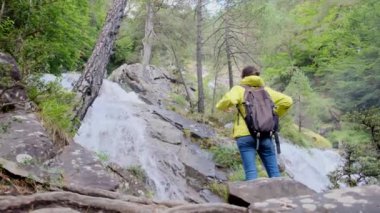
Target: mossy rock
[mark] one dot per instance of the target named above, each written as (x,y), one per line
(317,140)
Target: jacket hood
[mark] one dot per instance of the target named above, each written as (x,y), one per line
(253,81)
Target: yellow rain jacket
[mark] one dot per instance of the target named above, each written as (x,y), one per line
(235,97)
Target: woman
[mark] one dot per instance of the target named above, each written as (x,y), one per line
(245,142)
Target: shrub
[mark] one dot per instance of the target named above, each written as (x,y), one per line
(228,157)
(55,106)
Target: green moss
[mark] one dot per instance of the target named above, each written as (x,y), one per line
(317,140)
(138,172)
(305,138)
(103,157)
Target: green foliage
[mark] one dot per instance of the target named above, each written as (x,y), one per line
(55,105)
(219,189)
(228,157)
(179,100)
(305,138)
(361,143)
(138,172)
(290,131)
(128,44)
(103,157)
(48,36)
(237,174)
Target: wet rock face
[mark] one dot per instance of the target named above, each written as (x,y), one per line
(155,87)
(197,130)
(358,199)
(248,192)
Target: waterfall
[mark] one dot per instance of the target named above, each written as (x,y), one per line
(115,126)
(310,166)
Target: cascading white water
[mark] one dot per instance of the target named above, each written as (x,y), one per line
(310,166)
(112,126)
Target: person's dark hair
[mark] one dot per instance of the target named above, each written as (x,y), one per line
(250,70)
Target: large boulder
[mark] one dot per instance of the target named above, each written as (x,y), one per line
(92,173)
(358,199)
(248,192)
(154,85)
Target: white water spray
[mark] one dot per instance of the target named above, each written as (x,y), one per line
(113,126)
(310,166)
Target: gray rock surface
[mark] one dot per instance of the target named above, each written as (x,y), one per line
(78,166)
(155,87)
(248,192)
(197,130)
(358,199)
(27,151)
(25,142)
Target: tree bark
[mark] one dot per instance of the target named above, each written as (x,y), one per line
(182,79)
(214,91)
(227,43)
(149,33)
(299,114)
(91,80)
(201,97)
(2,9)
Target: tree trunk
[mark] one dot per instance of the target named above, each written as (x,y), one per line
(214,91)
(182,79)
(228,54)
(91,79)
(2,9)
(201,105)
(299,114)
(227,43)
(149,33)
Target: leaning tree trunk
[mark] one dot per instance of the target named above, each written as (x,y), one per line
(91,80)
(201,104)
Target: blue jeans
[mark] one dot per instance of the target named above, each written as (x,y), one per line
(266,151)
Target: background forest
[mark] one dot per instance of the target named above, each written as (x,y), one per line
(324,53)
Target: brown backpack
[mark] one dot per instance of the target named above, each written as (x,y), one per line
(259,107)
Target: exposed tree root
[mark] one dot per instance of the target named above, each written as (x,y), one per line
(76,198)
(126,198)
(70,199)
